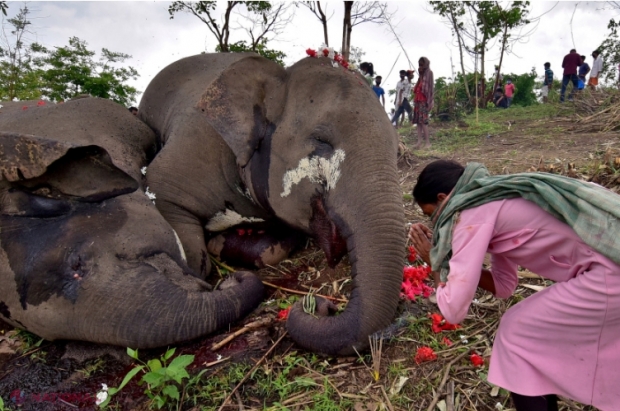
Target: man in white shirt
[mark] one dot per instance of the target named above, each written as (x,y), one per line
(403,92)
(597,68)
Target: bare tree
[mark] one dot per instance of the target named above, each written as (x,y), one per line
(358,12)
(269,21)
(316,9)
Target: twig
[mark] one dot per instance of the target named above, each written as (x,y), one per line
(67,403)
(247,375)
(450,396)
(444,380)
(255,324)
(389,403)
(288,290)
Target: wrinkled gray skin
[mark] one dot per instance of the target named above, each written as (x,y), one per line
(84,254)
(241,133)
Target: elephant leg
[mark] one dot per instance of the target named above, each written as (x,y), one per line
(255,245)
(191,236)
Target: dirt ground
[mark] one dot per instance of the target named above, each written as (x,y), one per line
(263,369)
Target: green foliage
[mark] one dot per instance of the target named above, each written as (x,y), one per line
(72,71)
(29,71)
(610,53)
(2,404)
(261,48)
(20,61)
(3,7)
(162,378)
(524,88)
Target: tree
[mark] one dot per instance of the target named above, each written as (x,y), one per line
(71,71)
(19,59)
(264,19)
(273,55)
(356,12)
(610,52)
(3,7)
(317,10)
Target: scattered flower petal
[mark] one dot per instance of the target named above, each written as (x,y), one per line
(439,324)
(425,354)
(446,341)
(283,314)
(476,360)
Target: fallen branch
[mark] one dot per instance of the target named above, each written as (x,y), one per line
(250,326)
(288,290)
(247,375)
(444,380)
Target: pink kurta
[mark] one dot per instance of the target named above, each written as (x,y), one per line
(563,340)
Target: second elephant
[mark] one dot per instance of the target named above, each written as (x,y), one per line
(308,148)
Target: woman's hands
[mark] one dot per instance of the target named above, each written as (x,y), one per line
(420,236)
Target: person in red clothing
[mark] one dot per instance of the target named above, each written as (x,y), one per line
(509,91)
(423,95)
(570,64)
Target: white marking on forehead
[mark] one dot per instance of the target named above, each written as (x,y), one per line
(176,236)
(229,218)
(317,169)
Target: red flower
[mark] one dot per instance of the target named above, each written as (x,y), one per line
(476,360)
(440,324)
(311,53)
(344,64)
(325,52)
(413,282)
(25,108)
(425,354)
(413,255)
(446,341)
(41,103)
(283,314)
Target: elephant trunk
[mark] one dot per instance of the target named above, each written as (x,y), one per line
(373,225)
(168,309)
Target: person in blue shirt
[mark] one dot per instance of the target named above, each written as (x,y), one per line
(584,69)
(379,90)
(547,83)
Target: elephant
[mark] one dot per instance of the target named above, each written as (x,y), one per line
(309,148)
(84,253)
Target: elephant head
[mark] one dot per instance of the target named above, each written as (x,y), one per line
(84,254)
(309,145)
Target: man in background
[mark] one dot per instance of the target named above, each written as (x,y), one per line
(547,82)
(379,90)
(509,91)
(597,68)
(403,92)
(570,63)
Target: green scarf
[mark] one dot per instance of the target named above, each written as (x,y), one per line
(591,210)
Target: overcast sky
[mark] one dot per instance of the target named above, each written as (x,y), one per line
(145,31)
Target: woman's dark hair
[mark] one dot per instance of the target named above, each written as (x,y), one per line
(437,177)
(368,68)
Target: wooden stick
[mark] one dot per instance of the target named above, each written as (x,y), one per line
(247,375)
(246,328)
(288,290)
(444,380)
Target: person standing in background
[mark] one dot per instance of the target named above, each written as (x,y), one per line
(570,63)
(423,95)
(509,91)
(547,83)
(597,68)
(403,91)
(379,90)
(584,69)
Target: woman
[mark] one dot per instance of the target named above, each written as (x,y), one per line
(368,71)
(423,95)
(564,340)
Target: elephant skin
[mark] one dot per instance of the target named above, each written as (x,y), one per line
(246,141)
(84,254)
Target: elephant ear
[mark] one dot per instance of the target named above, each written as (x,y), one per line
(244,103)
(60,168)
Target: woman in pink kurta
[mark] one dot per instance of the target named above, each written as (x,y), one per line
(562,340)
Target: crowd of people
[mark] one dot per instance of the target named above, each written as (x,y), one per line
(421,94)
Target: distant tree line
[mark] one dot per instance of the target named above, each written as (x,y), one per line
(29,70)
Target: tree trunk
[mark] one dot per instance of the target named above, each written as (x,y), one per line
(501,56)
(346,30)
(460,41)
(324,22)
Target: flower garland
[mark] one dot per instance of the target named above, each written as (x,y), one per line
(329,52)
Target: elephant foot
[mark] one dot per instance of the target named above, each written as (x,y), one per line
(255,245)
